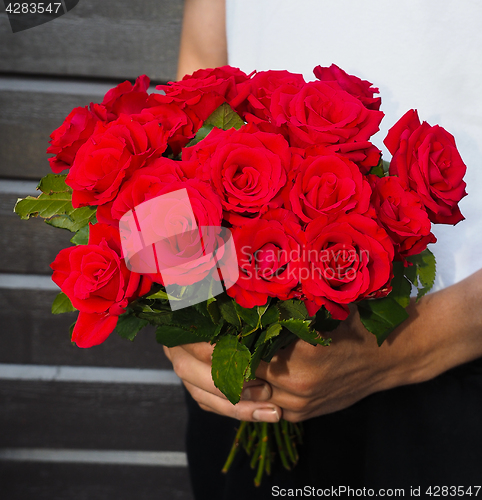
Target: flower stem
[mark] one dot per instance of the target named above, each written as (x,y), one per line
(235,447)
(281,448)
(251,440)
(262,454)
(256,454)
(288,442)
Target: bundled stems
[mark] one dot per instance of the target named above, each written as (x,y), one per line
(260,439)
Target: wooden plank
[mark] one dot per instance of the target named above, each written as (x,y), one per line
(92,416)
(31,334)
(26,122)
(116,39)
(27,246)
(44,481)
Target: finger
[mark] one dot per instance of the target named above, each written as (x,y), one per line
(190,369)
(167,353)
(198,373)
(249,411)
(256,390)
(203,351)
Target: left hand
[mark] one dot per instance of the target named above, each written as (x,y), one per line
(308,381)
(444,330)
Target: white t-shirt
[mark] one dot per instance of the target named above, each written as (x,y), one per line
(422,54)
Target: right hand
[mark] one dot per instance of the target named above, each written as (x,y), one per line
(192,364)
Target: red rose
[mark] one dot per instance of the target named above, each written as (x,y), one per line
(239,88)
(401,213)
(247,169)
(110,156)
(179,125)
(183,221)
(262,86)
(98,283)
(347,259)
(327,184)
(427,160)
(206,89)
(144,184)
(69,137)
(268,251)
(361,89)
(321,113)
(363,153)
(126,98)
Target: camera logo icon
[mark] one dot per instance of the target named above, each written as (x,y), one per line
(160,237)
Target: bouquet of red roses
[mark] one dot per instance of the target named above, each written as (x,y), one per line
(247,211)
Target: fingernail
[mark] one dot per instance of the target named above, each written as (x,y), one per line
(256,393)
(266,415)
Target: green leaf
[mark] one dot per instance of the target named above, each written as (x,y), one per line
(155,313)
(189,319)
(263,309)
(324,322)
(301,328)
(273,331)
(54,183)
(229,366)
(411,274)
(81,237)
(381,170)
(172,336)
(55,205)
(46,205)
(270,316)
(213,310)
(62,304)
(202,308)
(156,317)
(160,294)
(426,269)
(256,358)
(284,339)
(378,171)
(201,134)
(293,309)
(71,331)
(262,348)
(401,287)
(250,316)
(76,220)
(248,330)
(228,312)
(128,326)
(381,316)
(225,118)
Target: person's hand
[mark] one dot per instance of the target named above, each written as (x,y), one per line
(309,381)
(444,330)
(192,364)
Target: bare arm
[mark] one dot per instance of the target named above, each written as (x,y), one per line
(203,37)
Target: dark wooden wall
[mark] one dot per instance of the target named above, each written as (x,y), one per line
(58,402)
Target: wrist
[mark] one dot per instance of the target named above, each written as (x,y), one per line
(444,330)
